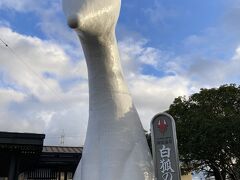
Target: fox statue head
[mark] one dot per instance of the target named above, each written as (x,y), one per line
(92,17)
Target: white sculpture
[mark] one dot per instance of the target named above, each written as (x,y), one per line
(115,146)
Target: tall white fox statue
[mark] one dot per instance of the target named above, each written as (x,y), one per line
(115,146)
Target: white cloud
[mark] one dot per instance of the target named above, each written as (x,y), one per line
(213,72)
(51,20)
(22,6)
(8,95)
(37,107)
(187,73)
(33,70)
(194,40)
(231,18)
(4,23)
(211,58)
(28,58)
(135,53)
(43,84)
(53,24)
(29,105)
(158,13)
(153,95)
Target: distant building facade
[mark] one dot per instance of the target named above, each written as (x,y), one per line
(23,157)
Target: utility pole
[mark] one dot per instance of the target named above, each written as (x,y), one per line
(62,138)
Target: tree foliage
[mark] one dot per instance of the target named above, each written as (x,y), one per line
(208,130)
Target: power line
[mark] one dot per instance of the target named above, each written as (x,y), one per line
(4,42)
(31,70)
(20,59)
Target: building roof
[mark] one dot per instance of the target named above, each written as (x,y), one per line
(66,158)
(30,153)
(61,149)
(21,138)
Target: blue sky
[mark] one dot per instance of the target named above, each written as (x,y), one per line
(168,48)
(168,23)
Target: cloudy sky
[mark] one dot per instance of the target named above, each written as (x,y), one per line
(168,48)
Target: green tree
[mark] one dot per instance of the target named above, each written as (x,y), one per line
(208,131)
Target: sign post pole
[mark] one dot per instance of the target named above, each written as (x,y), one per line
(164,147)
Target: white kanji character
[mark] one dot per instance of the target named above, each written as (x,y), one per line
(167,176)
(165,152)
(166,166)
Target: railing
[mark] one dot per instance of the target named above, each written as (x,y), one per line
(47,174)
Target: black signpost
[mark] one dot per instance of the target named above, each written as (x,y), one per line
(164,146)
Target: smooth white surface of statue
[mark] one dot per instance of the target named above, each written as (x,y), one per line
(115,146)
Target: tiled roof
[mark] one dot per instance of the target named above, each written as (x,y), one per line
(61,149)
